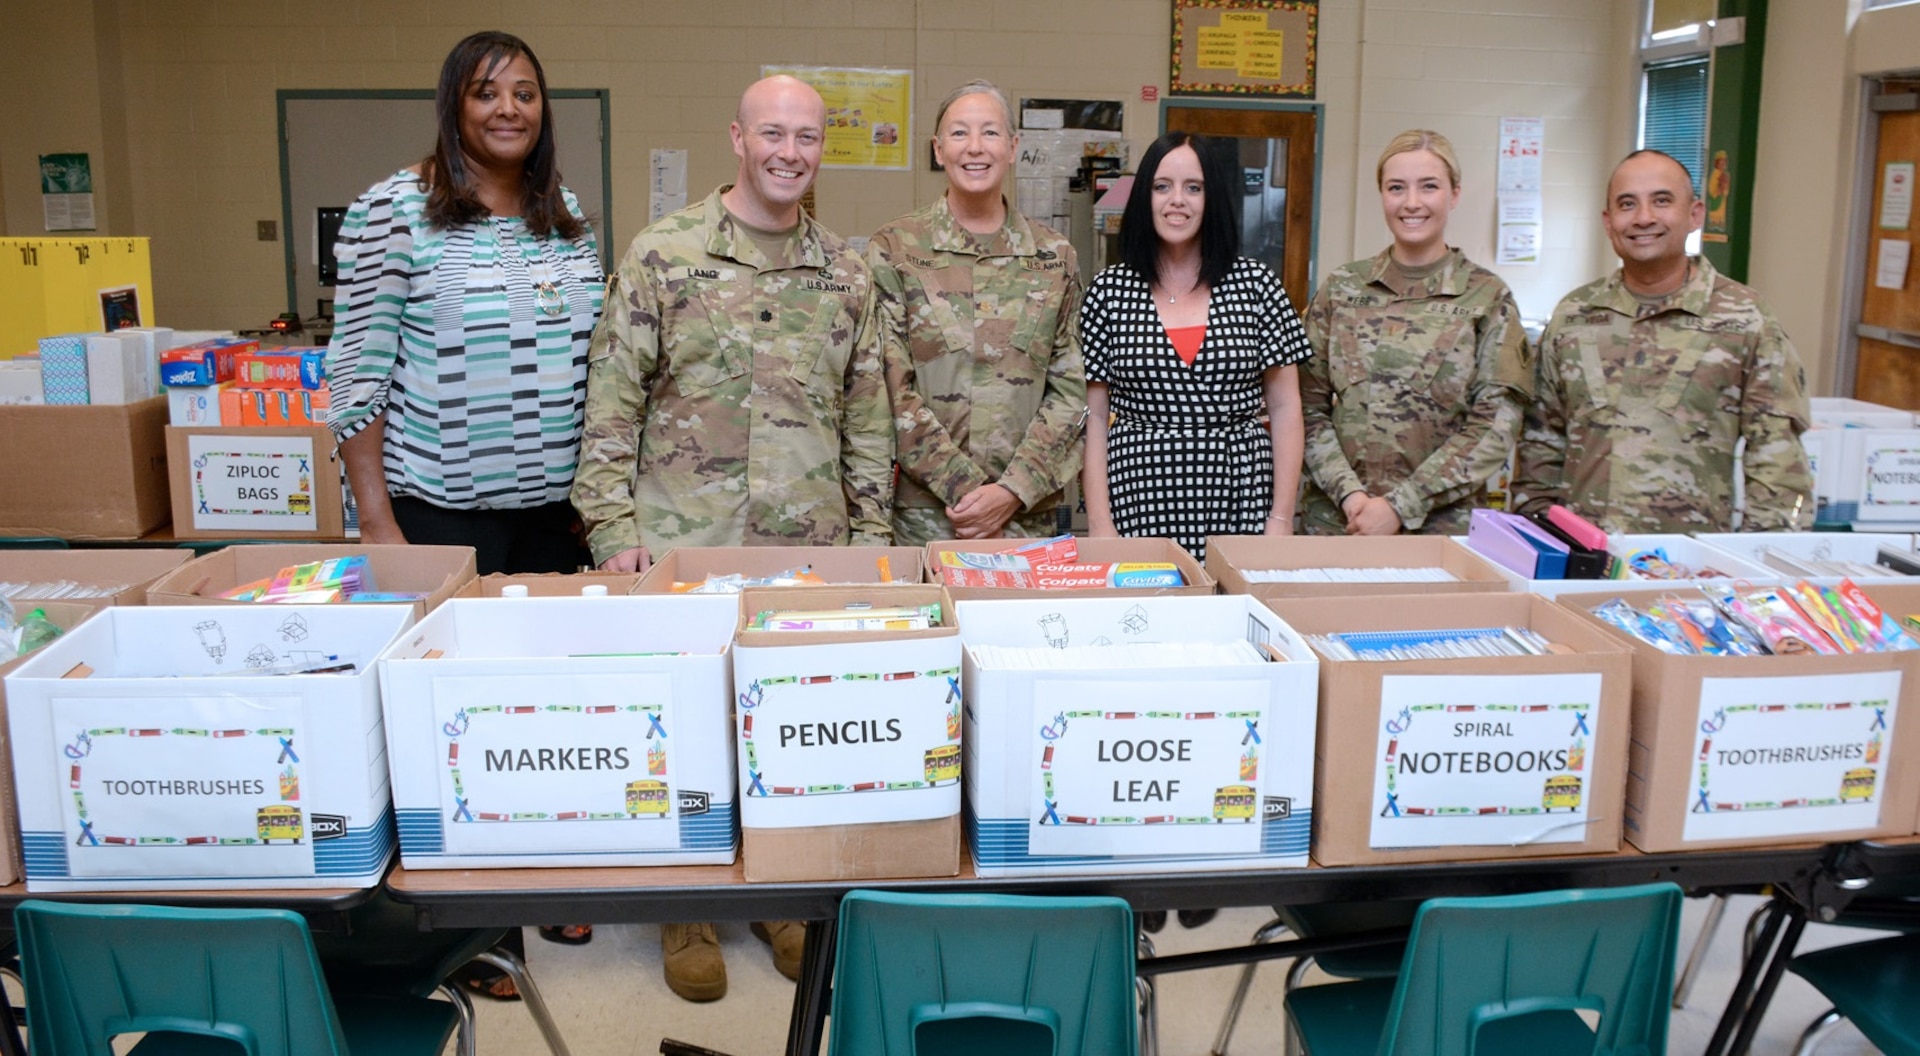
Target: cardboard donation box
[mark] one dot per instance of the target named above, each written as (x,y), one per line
(553,584)
(563,732)
(1688,556)
(841,565)
(1465,757)
(1825,557)
(1361,565)
(84,472)
(94,578)
(435,572)
(254,483)
(1079,763)
(1746,751)
(1092,560)
(848,740)
(66,616)
(173,748)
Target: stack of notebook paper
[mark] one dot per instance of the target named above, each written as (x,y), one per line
(1436,644)
(1349,575)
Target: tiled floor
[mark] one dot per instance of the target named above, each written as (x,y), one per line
(609,999)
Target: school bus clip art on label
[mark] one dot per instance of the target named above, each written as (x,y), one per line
(1857,784)
(280,822)
(943,764)
(1562,790)
(647,799)
(299,503)
(1234,803)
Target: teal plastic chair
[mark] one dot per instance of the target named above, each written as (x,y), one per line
(249,977)
(1586,972)
(1009,975)
(1872,985)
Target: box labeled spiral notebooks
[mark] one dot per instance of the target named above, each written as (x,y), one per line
(170,748)
(1125,735)
(563,731)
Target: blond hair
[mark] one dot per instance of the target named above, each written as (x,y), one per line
(1419,139)
(974,87)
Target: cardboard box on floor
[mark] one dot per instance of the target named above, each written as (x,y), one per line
(1710,765)
(1466,758)
(1229,557)
(563,731)
(67,616)
(435,571)
(1046,793)
(1092,551)
(1682,550)
(112,577)
(849,741)
(841,565)
(84,472)
(151,752)
(551,584)
(254,483)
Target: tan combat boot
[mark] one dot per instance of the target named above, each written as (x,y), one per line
(690,959)
(788,939)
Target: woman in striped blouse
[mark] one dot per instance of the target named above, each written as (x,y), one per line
(470,285)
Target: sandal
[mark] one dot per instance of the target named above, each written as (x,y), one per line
(567,934)
(484,980)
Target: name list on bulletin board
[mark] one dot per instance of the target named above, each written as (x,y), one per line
(869,114)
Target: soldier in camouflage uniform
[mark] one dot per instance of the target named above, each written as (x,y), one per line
(735,396)
(976,308)
(1649,377)
(734,388)
(1421,371)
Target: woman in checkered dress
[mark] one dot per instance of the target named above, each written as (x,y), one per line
(1193,425)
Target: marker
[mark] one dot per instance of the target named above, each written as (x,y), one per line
(229,733)
(900,676)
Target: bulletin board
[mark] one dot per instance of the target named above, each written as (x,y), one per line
(1245,47)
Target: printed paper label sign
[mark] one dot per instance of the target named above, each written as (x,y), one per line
(252,483)
(522,754)
(1791,756)
(1141,775)
(1893,477)
(1482,760)
(203,787)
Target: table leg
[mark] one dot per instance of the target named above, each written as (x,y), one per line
(1764,995)
(1743,989)
(813,994)
(10,1044)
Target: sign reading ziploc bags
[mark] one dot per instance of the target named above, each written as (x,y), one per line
(591,749)
(827,738)
(240,483)
(1105,773)
(187,777)
(1480,760)
(1782,756)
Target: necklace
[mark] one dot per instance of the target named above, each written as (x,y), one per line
(549,300)
(1167,290)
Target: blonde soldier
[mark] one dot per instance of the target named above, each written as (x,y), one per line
(734,396)
(976,307)
(1650,378)
(1421,372)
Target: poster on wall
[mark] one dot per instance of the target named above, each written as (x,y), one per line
(869,114)
(1522,149)
(1719,191)
(1245,47)
(66,191)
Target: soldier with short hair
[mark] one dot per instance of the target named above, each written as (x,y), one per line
(976,304)
(1650,378)
(735,397)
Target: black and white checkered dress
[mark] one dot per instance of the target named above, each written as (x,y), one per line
(1187,455)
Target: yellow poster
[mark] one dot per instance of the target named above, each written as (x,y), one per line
(1240,21)
(1260,52)
(869,114)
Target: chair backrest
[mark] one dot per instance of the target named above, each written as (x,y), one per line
(1477,969)
(1004,974)
(92,972)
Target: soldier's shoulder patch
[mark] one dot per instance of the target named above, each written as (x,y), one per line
(684,272)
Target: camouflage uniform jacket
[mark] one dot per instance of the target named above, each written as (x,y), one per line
(1639,409)
(982,357)
(1413,396)
(733,399)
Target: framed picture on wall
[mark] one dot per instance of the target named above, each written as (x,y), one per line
(1245,47)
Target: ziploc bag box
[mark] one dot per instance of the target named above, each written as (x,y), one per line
(65,615)
(152,752)
(1748,751)
(1464,758)
(848,741)
(1230,559)
(1147,769)
(563,732)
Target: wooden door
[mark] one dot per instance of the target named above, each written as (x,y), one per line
(1887,368)
(1277,162)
